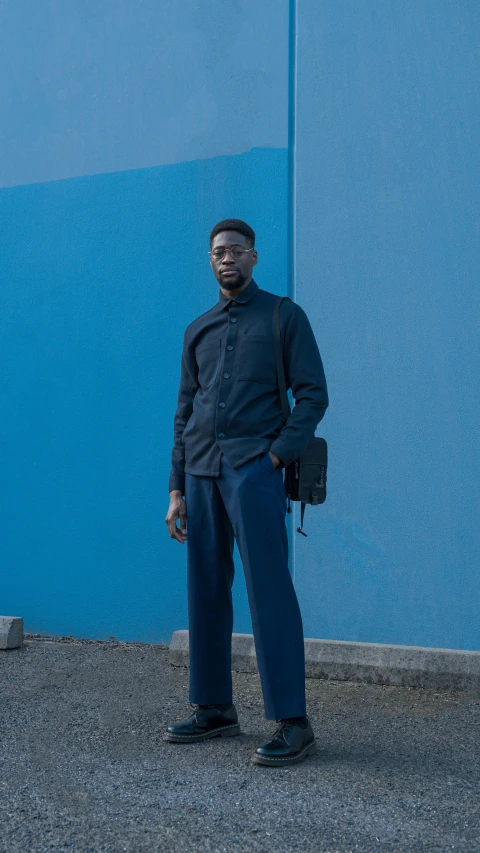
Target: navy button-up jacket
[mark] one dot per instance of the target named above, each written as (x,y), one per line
(229,400)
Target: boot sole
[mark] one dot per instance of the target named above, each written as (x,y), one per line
(311,749)
(223,731)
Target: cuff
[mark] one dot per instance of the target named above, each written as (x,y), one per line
(176,481)
(280,448)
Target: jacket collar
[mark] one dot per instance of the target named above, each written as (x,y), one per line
(245,296)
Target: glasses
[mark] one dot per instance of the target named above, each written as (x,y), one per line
(236,253)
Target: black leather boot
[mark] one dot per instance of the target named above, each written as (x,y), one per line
(206,722)
(290,744)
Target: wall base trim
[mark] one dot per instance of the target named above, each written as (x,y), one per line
(371,663)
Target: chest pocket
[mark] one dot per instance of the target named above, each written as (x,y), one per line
(208,360)
(256,361)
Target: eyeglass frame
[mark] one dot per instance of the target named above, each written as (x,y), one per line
(221,257)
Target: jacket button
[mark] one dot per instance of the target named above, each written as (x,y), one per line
(229,347)
(222,405)
(233,319)
(234,303)
(221,435)
(226,376)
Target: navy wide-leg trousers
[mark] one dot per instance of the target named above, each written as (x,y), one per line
(247,505)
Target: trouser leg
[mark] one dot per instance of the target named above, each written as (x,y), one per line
(255,501)
(210,570)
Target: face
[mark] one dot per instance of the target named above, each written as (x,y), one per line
(232,273)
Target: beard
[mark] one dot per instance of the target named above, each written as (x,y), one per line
(232,283)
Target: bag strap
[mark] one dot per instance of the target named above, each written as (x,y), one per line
(282,383)
(277,341)
(302,513)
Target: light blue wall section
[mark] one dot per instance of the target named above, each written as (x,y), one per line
(387,260)
(99,277)
(96,86)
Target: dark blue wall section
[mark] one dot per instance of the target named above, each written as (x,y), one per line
(99,277)
(387,263)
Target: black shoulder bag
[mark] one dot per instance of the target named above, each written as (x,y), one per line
(305,477)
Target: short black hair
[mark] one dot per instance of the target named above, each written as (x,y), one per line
(233,225)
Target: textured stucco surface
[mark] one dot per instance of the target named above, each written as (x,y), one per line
(387,258)
(97,87)
(382,127)
(99,277)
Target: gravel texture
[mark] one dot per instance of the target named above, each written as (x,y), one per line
(83,765)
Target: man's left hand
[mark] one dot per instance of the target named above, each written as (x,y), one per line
(275,459)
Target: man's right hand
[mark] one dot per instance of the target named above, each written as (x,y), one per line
(177,511)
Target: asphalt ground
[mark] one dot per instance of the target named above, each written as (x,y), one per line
(83,765)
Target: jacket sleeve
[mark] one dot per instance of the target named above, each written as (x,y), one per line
(188,389)
(305,376)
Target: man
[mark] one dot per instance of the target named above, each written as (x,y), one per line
(230,445)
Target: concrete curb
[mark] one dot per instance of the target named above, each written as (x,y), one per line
(371,663)
(11,632)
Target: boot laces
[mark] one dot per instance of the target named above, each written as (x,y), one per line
(285,726)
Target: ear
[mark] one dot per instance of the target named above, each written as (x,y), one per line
(254,258)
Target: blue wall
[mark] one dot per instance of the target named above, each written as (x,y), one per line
(185,106)
(89,87)
(128,130)
(99,277)
(387,260)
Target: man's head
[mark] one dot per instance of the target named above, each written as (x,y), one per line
(232,268)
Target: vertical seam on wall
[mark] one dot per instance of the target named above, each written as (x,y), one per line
(292,98)
(291,274)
